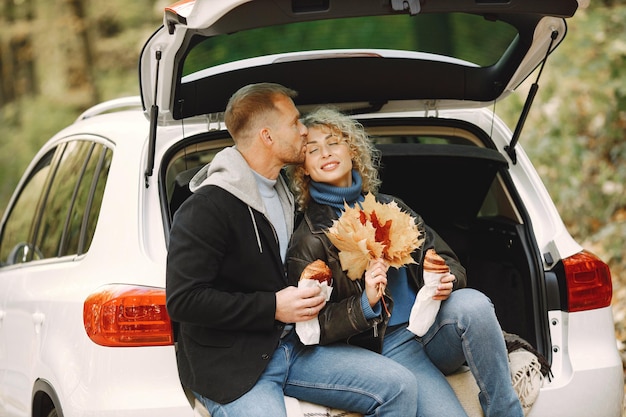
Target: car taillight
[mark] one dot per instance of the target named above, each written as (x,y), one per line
(588,282)
(125,315)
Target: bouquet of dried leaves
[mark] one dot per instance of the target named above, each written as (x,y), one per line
(373,231)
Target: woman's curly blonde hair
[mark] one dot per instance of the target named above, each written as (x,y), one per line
(365,156)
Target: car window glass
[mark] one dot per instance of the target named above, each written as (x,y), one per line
(498,203)
(184,162)
(14,246)
(85,208)
(63,209)
(100,176)
(60,197)
(455,35)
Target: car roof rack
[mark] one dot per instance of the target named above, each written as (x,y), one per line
(111,105)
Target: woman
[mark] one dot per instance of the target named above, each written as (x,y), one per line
(341,165)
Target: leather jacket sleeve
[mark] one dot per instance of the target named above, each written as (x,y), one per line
(343,316)
(343,319)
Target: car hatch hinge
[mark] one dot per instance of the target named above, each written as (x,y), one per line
(431,106)
(214,121)
(510,149)
(154,114)
(413,6)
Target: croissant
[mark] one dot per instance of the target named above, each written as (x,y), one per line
(435,263)
(317,270)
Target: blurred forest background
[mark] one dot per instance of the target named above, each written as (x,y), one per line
(57,58)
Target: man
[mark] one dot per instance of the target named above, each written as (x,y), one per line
(227,288)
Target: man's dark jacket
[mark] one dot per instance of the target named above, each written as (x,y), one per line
(223,271)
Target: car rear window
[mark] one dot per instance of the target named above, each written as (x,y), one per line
(456,35)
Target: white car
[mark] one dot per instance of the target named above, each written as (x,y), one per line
(83,242)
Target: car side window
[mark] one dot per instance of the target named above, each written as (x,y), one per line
(15,242)
(66,210)
(57,211)
(92,209)
(83,213)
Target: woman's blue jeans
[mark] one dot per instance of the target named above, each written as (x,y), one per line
(465,330)
(338,376)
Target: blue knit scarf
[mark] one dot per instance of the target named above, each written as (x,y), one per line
(333,196)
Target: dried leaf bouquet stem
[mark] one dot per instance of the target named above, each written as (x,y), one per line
(374,230)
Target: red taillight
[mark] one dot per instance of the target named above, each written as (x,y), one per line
(125,315)
(588,282)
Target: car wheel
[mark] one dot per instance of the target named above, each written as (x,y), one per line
(53,413)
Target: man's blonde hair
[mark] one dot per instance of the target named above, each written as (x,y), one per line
(251,103)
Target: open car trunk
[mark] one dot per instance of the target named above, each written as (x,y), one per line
(447,186)
(447,171)
(464,193)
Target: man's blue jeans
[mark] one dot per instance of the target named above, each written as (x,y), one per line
(465,330)
(338,376)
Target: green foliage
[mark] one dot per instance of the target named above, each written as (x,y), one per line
(576,129)
(117,31)
(439,33)
(25,126)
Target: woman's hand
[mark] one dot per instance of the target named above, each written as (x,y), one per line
(445,287)
(375,280)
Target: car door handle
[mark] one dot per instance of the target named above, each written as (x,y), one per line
(38,319)
(2,314)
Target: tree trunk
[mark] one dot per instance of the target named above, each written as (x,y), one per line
(17,68)
(45,48)
(64,58)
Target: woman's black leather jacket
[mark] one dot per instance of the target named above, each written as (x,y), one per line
(342,319)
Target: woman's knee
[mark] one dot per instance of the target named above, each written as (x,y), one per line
(468,302)
(470,297)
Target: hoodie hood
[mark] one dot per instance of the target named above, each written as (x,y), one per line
(230,171)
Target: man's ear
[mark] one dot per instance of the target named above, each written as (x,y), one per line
(266,137)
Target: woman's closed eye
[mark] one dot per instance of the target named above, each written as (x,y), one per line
(331,142)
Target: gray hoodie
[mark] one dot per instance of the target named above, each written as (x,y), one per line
(230,171)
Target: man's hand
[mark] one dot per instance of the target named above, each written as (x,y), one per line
(295,304)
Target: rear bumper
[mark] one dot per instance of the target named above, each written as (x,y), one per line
(598,393)
(128,382)
(588,372)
